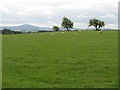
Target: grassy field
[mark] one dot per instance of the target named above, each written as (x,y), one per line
(41,60)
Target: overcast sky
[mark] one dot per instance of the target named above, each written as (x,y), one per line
(50,12)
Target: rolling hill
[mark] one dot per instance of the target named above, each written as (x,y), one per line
(26,27)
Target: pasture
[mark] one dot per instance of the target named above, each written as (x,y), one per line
(87,59)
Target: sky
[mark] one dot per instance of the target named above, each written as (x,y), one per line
(47,13)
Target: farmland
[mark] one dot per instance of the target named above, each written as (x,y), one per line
(87,59)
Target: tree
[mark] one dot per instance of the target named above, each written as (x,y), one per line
(55,28)
(98,24)
(8,31)
(67,23)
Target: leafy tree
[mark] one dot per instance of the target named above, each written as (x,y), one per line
(8,31)
(55,28)
(98,24)
(67,23)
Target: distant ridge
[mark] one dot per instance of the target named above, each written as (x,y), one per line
(26,27)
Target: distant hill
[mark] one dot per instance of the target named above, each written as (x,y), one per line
(26,27)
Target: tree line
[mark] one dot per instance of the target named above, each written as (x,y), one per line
(68,24)
(8,31)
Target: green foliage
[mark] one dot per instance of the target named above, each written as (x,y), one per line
(8,31)
(67,23)
(39,60)
(98,24)
(55,28)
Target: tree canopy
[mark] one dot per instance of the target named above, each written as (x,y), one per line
(8,31)
(98,24)
(55,28)
(66,23)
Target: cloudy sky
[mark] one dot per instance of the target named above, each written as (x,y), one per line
(50,12)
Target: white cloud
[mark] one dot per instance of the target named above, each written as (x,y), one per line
(80,16)
(109,16)
(48,12)
(114,26)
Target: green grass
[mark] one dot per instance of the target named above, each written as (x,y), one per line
(42,60)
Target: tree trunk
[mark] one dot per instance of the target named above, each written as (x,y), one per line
(67,29)
(97,29)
